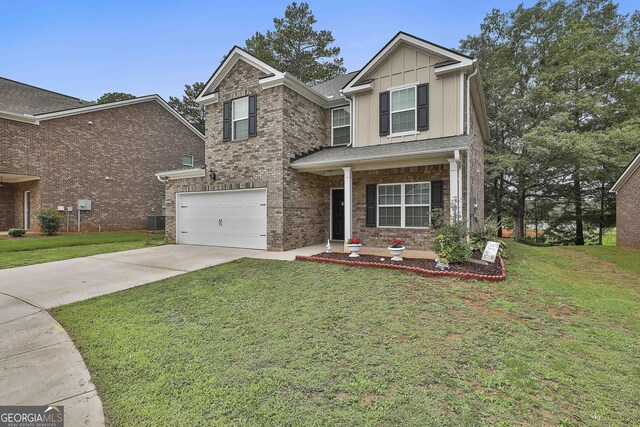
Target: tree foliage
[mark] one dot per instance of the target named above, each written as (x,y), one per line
(295,47)
(114,96)
(188,107)
(562,82)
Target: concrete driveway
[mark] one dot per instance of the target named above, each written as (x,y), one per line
(39,364)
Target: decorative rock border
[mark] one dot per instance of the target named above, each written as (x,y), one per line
(425,271)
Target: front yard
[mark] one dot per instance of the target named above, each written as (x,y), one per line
(18,252)
(258,342)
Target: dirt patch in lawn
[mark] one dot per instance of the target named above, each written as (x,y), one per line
(467,270)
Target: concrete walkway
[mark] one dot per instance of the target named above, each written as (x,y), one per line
(39,364)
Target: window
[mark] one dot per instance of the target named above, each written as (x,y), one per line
(187,160)
(340,126)
(403,110)
(404,205)
(240,121)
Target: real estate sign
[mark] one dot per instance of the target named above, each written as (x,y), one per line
(491,251)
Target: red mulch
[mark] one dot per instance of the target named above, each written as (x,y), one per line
(467,270)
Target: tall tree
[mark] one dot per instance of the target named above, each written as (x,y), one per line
(114,96)
(559,77)
(295,47)
(188,107)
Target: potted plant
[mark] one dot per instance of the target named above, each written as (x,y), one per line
(354,244)
(396,248)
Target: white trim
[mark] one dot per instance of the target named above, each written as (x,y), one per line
(25,118)
(99,107)
(366,87)
(461,122)
(628,173)
(406,38)
(331,213)
(230,61)
(181,174)
(402,205)
(344,107)
(348,203)
(403,86)
(415,110)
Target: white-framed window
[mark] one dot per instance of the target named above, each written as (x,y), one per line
(187,160)
(404,205)
(340,126)
(403,110)
(240,119)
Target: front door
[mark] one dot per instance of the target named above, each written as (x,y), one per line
(337,214)
(27,210)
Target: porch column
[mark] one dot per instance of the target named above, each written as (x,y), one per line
(455,202)
(347,203)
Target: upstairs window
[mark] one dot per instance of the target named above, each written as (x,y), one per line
(340,126)
(403,110)
(240,120)
(187,160)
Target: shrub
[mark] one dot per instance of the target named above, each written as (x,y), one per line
(49,220)
(479,239)
(17,232)
(451,243)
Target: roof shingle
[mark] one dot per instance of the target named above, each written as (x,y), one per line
(22,98)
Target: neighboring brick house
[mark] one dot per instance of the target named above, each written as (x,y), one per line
(368,154)
(627,190)
(56,149)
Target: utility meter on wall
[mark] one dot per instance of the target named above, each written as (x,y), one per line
(84,205)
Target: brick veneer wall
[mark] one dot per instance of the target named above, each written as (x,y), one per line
(628,212)
(380,237)
(7,206)
(73,158)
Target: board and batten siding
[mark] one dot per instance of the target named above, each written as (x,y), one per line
(408,65)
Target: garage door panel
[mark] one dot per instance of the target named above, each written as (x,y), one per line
(243,215)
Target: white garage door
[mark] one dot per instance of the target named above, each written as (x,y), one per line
(235,219)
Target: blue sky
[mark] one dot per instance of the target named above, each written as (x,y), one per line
(87,48)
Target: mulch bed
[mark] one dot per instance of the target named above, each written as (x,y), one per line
(493,272)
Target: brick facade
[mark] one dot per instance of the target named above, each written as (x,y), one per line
(74,155)
(298,203)
(627,212)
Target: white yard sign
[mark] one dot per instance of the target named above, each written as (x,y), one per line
(491,251)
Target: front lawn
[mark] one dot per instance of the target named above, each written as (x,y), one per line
(18,252)
(258,342)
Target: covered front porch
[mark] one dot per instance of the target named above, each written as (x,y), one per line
(18,196)
(382,192)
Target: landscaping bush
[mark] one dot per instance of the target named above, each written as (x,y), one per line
(451,243)
(49,221)
(17,232)
(489,232)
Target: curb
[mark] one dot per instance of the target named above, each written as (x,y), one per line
(424,271)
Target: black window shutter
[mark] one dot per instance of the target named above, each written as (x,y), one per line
(253,131)
(384,113)
(226,121)
(423,107)
(437,195)
(372,205)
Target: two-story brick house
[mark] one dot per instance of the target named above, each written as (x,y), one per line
(370,154)
(57,149)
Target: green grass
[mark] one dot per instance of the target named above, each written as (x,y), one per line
(258,342)
(36,250)
(609,238)
(623,258)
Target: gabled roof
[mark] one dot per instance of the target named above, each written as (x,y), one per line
(450,57)
(271,78)
(35,119)
(21,98)
(628,172)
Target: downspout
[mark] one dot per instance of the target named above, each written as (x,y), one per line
(468,132)
(352,130)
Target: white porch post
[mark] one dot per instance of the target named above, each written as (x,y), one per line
(347,204)
(455,204)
